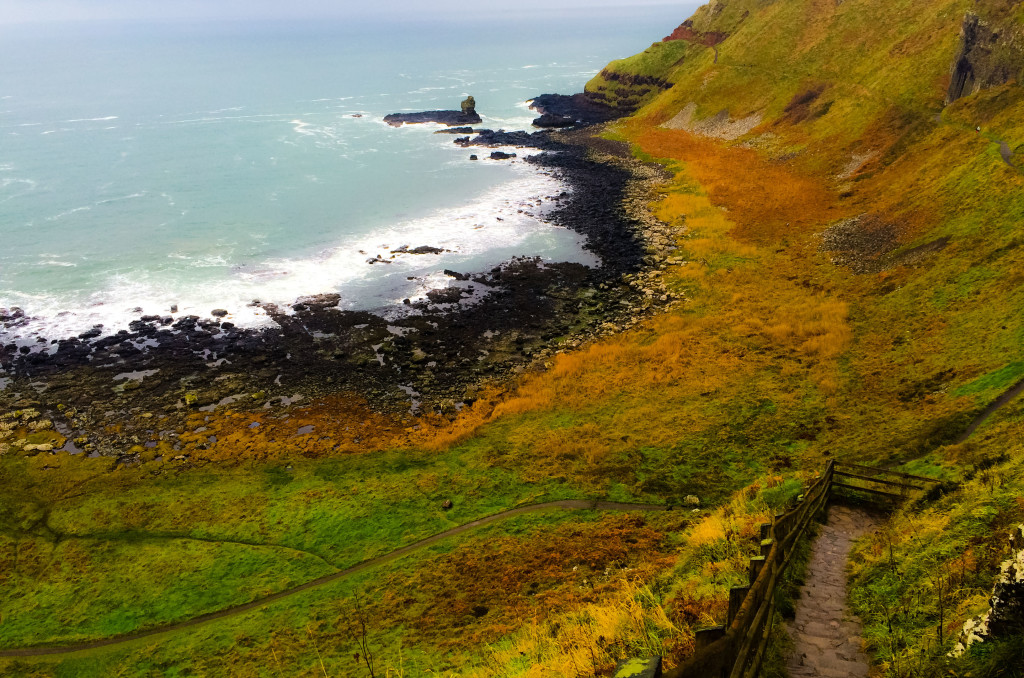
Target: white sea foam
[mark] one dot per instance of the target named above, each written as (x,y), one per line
(69,212)
(498,221)
(109,117)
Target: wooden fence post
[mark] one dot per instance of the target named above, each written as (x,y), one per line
(737,594)
(704,637)
(756,563)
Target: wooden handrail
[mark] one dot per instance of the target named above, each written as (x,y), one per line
(869,490)
(847,474)
(739,651)
(884,471)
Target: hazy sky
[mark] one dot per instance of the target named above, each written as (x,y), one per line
(21,11)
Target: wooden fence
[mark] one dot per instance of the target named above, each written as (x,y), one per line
(736,649)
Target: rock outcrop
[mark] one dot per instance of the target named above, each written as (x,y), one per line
(990,54)
(466,116)
(1006,615)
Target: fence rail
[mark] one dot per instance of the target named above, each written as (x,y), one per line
(736,649)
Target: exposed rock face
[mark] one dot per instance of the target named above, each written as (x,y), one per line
(687,32)
(632,92)
(1007,614)
(469,106)
(989,55)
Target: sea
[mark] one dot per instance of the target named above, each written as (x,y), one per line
(180,168)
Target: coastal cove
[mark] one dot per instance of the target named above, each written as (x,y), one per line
(421,327)
(251,163)
(428,357)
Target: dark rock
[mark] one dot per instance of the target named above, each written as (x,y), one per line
(450,118)
(422,249)
(501,155)
(455,130)
(490,138)
(456,275)
(550,120)
(579,107)
(447,295)
(469,105)
(12,313)
(447,504)
(174,308)
(318,301)
(473,157)
(218,313)
(990,54)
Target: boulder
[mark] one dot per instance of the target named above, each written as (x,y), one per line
(469,106)
(550,120)
(501,155)
(218,313)
(691,500)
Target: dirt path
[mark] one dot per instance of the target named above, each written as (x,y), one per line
(827,637)
(999,402)
(576,504)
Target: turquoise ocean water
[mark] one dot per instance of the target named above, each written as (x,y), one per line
(143,167)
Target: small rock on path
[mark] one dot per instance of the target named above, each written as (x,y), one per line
(827,636)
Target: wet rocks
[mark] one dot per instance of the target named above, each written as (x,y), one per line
(501,155)
(578,107)
(316,301)
(550,120)
(455,130)
(422,249)
(466,116)
(218,313)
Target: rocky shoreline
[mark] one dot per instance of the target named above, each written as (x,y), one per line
(102,394)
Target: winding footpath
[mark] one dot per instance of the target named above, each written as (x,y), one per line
(827,637)
(996,404)
(571,504)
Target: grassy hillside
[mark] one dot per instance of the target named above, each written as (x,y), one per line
(849,253)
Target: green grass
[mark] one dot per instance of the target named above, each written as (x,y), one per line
(996,380)
(292,636)
(122,554)
(937,563)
